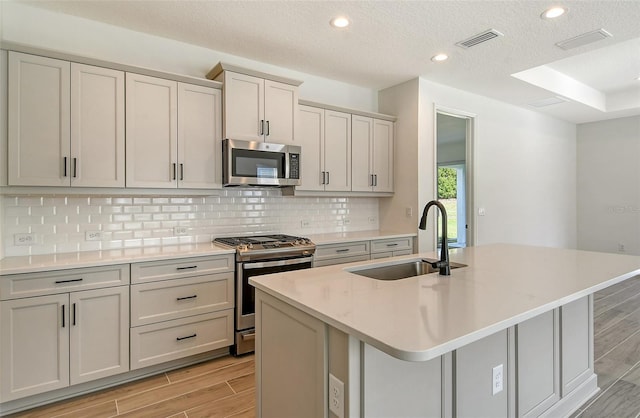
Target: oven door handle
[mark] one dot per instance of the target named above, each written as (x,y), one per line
(277,263)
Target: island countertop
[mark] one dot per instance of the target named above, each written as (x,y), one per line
(420,318)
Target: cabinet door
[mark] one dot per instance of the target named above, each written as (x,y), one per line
(38,121)
(151,129)
(97,126)
(99,333)
(243,107)
(280,112)
(337,150)
(382,157)
(576,336)
(311,138)
(362,138)
(199,137)
(34,343)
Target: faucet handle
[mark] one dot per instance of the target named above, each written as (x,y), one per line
(437,264)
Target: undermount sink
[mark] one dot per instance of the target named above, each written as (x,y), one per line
(402,271)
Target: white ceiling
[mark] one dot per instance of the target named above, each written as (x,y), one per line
(390,42)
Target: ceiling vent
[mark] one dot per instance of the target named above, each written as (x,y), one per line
(548,101)
(479,38)
(584,39)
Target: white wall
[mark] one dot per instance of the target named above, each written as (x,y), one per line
(609,185)
(56,31)
(525,167)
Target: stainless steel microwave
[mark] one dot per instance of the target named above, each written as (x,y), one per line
(249,163)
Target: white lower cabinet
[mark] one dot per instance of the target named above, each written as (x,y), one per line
(393,247)
(180,308)
(171,340)
(348,252)
(51,342)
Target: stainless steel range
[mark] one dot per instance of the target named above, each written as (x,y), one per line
(257,256)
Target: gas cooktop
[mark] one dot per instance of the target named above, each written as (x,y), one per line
(268,246)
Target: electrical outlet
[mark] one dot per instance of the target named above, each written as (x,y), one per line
(24,239)
(305,223)
(179,230)
(621,248)
(408,212)
(482,212)
(372,219)
(497,379)
(347,221)
(93,235)
(336,396)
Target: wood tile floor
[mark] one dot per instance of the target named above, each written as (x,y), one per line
(616,352)
(223,387)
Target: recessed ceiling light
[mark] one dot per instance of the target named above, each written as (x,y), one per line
(439,57)
(339,22)
(553,12)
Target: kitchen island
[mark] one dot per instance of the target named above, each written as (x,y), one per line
(511,334)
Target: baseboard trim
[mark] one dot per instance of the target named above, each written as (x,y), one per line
(574,400)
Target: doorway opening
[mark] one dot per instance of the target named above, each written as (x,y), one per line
(454,132)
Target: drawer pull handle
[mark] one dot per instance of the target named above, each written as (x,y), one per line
(186,268)
(249,337)
(187,337)
(187,297)
(344,250)
(68,281)
(392,245)
(63,325)
(74,315)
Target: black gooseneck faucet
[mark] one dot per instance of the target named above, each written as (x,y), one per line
(443,264)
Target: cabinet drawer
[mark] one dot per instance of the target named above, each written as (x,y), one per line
(183,267)
(388,254)
(340,260)
(173,299)
(62,281)
(348,249)
(395,244)
(171,340)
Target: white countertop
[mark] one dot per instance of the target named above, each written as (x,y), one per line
(48,262)
(423,317)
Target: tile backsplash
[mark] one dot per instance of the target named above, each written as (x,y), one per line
(59,223)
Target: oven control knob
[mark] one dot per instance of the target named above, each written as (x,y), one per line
(249,245)
(242,247)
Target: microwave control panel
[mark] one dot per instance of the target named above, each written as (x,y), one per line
(294,166)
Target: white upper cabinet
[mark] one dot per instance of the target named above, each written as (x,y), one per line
(337,150)
(38,121)
(243,107)
(373,161)
(66,123)
(257,108)
(199,137)
(362,140)
(173,134)
(311,138)
(152,131)
(280,112)
(325,137)
(97,126)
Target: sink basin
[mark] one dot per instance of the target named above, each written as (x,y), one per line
(402,271)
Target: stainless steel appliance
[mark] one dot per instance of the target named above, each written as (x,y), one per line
(249,163)
(256,256)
